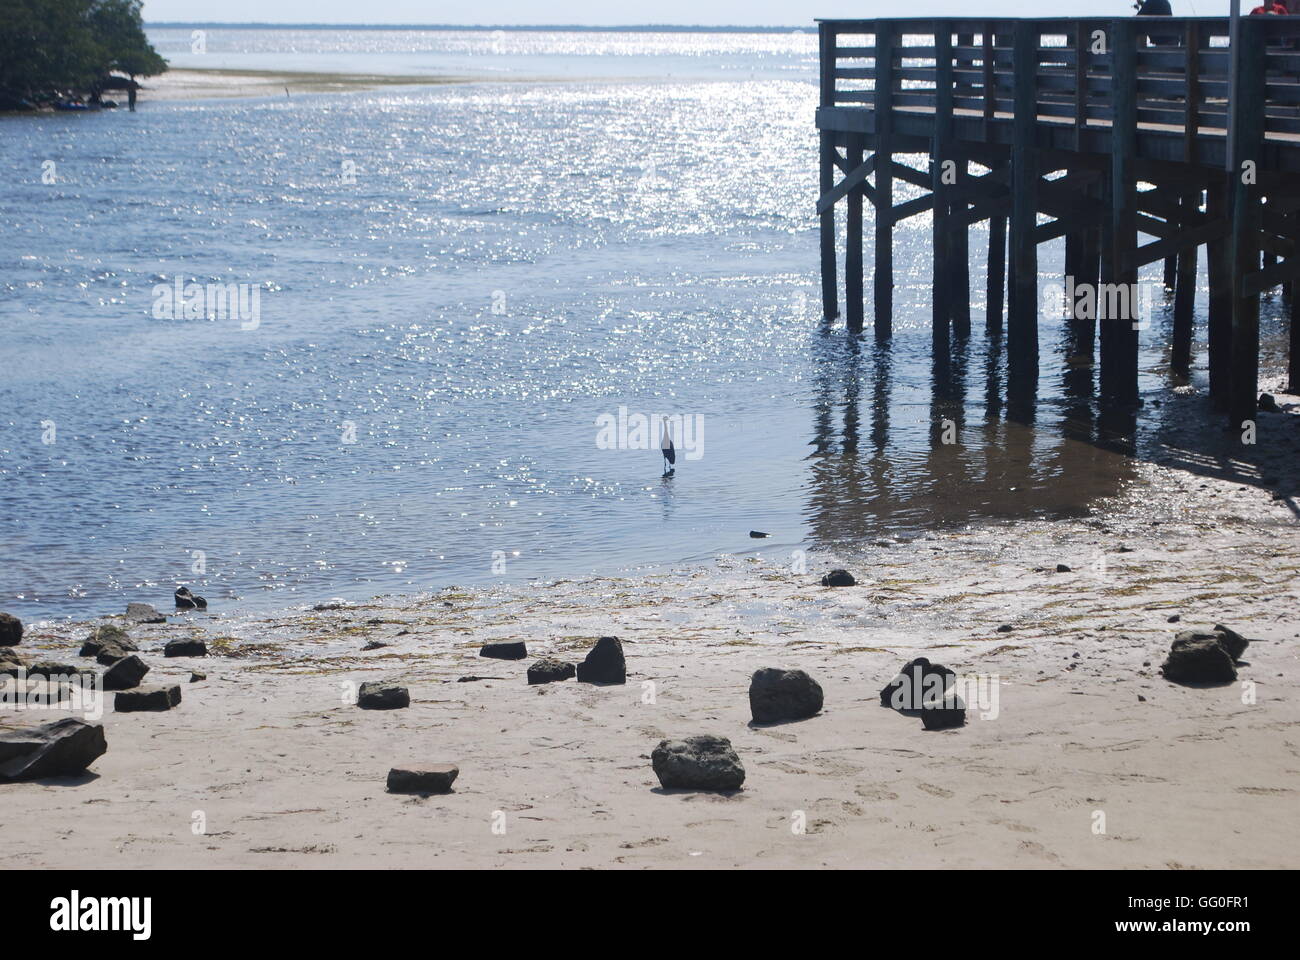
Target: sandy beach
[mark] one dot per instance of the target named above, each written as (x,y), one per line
(189,84)
(265,764)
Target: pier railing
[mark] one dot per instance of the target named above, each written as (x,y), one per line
(1176,68)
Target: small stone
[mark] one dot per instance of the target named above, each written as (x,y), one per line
(383,696)
(63,748)
(11,630)
(698,763)
(776,695)
(195,676)
(1005,628)
(374,645)
(152,699)
(186,647)
(1062,568)
(1268,404)
(838,578)
(1198,658)
(1174,619)
(919,677)
(758,535)
(188,601)
(107,634)
(550,671)
(1141,699)
(125,674)
(605,663)
(144,613)
(939,713)
(504,650)
(436,778)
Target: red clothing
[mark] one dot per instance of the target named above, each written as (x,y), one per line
(1275,7)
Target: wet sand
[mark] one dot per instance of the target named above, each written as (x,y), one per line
(282,772)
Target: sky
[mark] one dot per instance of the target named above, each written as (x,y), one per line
(596,12)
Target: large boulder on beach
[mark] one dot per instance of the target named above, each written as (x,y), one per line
(52,669)
(144,613)
(549,671)
(125,674)
(11,630)
(383,696)
(698,763)
(917,681)
(942,711)
(839,578)
(186,647)
(152,699)
(1231,641)
(188,601)
(100,637)
(776,695)
(1198,658)
(435,778)
(110,653)
(605,663)
(504,650)
(60,749)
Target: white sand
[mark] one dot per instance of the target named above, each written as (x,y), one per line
(213,84)
(286,774)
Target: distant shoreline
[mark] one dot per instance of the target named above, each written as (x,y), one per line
(486,28)
(240,83)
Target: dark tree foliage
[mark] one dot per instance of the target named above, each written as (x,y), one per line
(52,45)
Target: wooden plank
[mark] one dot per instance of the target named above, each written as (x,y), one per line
(854,181)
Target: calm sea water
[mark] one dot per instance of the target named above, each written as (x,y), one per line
(455,283)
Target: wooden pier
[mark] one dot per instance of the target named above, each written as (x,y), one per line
(1135,140)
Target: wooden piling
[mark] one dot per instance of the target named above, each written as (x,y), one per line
(1245,137)
(827,42)
(1119,339)
(1022,319)
(853,300)
(941,157)
(997,271)
(883,108)
(1219,267)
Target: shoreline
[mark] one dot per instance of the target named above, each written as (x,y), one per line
(286,774)
(230,83)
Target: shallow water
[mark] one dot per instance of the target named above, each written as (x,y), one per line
(461,280)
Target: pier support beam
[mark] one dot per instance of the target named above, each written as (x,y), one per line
(997,272)
(1119,336)
(853,244)
(1245,136)
(1180,359)
(883,106)
(943,172)
(830,304)
(1022,318)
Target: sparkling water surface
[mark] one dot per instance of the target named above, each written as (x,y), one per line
(463,278)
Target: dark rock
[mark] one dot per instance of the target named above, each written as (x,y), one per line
(698,763)
(1174,618)
(1268,404)
(110,653)
(604,663)
(1062,568)
(50,669)
(472,679)
(504,650)
(1005,628)
(549,671)
(125,674)
(374,645)
(188,601)
(195,677)
(436,778)
(918,681)
(9,656)
(758,535)
(154,699)
(186,647)
(783,695)
(383,696)
(107,634)
(144,613)
(838,578)
(60,749)
(11,630)
(1232,641)
(1198,658)
(938,713)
